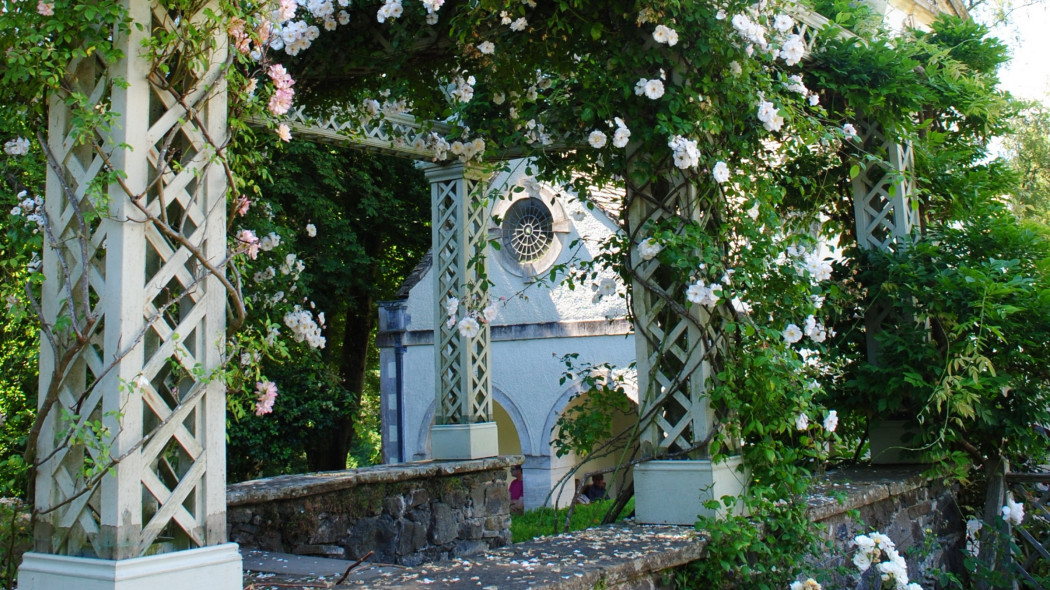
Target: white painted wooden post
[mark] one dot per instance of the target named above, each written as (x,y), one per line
(157,520)
(884,219)
(883,189)
(464,426)
(679,350)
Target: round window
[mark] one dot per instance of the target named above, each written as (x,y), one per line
(528,230)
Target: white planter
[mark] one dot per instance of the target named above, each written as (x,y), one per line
(673,492)
(217,567)
(464,441)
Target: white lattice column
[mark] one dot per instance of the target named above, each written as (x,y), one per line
(464,427)
(882,190)
(882,205)
(679,350)
(151,324)
(885,218)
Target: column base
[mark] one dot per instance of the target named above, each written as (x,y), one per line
(217,567)
(887,444)
(464,441)
(674,492)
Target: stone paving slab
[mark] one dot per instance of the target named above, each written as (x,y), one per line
(601,557)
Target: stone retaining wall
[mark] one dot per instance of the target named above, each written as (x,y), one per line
(919,515)
(407,514)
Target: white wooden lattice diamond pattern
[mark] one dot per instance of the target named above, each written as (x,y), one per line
(675,350)
(398,134)
(446,266)
(882,190)
(173,459)
(74,288)
(464,392)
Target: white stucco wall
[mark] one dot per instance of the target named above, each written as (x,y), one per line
(526,370)
(536,303)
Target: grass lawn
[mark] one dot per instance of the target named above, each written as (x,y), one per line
(543,521)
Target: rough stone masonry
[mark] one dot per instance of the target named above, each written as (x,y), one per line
(407,514)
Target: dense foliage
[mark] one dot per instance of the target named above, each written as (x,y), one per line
(359,225)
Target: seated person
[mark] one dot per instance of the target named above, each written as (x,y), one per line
(596,489)
(517,491)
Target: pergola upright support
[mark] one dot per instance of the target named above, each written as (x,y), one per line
(464,425)
(885,219)
(153,320)
(678,352)
(883,189)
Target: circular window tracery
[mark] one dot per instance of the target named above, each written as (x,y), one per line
(528,230)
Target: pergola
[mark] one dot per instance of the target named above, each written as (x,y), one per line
(150,369)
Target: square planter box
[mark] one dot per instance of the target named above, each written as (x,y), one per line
(887,444)
(673,492)
(464,441)
(217,567)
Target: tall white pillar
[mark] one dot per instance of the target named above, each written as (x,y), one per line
(883,189)
(679,351)
(153,321)
(464,425)
(885,217)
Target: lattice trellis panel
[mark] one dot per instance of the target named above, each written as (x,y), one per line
(398,135)
(882,208)
(160,317)
(882,191)
(678,350)
(464,391)
(1030,558)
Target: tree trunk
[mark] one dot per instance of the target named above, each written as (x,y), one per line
(329,450)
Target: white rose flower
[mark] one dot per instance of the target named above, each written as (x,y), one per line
(753,211)
(1013,512)
(720,172)
(802,421)
(489,313)
(831,421)
(649,248)
(792,334)
(769,115)
(597,139)
(696,292)
(469,327)
(654,89)
(487,47)
(664,34)
(793,50)
(862,561)
(605,288)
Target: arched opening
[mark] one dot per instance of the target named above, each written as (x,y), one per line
(602,457)
(509,439)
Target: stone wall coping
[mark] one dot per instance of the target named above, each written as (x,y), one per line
(602,557)
(855,487)
(289,487)
(614,556)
